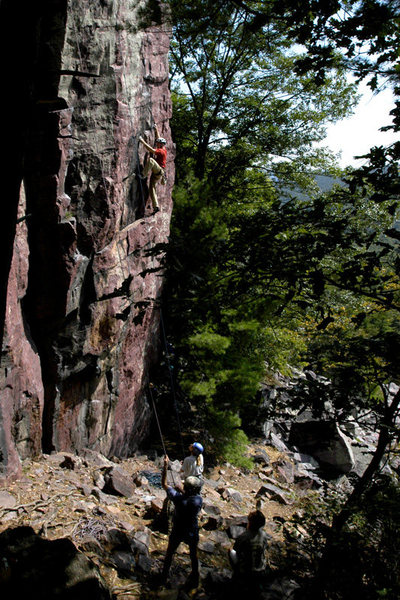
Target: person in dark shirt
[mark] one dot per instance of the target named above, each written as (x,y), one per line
(156,166)
(185,526)
(248,558)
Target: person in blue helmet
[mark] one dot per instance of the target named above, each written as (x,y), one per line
(187,504)
(193,465)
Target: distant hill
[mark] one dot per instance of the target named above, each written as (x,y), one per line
(324,182)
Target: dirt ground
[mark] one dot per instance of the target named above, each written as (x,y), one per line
(64,501)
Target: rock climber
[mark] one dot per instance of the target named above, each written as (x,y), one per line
(193,465)
(156,166)
(185,523)
(248,555)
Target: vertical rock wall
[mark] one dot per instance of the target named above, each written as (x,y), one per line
(82,324)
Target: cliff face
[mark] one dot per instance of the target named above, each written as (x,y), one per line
(82,319)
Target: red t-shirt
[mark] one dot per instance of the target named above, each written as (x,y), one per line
(161,157)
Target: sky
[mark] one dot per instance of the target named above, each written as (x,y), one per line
(355,135)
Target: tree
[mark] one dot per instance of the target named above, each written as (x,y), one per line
(319,270)
(243,100)
(238,102)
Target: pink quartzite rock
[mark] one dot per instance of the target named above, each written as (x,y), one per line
(78,360)
(21,388)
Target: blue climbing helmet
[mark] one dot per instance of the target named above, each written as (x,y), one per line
(198,447)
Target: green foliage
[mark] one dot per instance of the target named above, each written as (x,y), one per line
(365,560)
(264,272)
(238,102)
(229,441)
(260,277)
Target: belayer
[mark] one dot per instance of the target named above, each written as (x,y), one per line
(185,526)
(156,166)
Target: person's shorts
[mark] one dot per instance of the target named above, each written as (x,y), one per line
(191,539)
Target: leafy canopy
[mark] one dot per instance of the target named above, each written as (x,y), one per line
(258,276)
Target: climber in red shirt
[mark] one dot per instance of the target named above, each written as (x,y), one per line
(156,166)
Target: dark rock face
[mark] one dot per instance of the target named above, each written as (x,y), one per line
(82,320)
(38,568)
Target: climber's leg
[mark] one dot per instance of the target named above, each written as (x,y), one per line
(150,165)
(154,179)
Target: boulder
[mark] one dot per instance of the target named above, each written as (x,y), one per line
(211,509)
(140,480)
(144,563)
(211,483)
(124,562)
(284,471)
(175,466)
(213,523)
(229,493)
(281,588)
(234,531)
(42,569)
(326,443)
(306,480)
(85,489)
(141,541)
(102,497)
(157,505)
(277,443)
(273,493)
(304,460)
(7,500)
(262,458)
(207,546)
(95,458)
(118,482)
(99,481)
(238,520)
(220,538)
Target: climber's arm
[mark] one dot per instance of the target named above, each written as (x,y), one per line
(164,482)
(146,145)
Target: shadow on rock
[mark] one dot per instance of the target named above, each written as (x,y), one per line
(36,568)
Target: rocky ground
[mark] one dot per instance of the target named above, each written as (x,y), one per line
(112,511)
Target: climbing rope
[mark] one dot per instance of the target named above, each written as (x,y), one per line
(160,432)
(143,201)
(170,370)
(157,420)
(139,177)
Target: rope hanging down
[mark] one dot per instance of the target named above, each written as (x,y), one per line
(157,420)
(141,192)
(139,178)
(170,370)
(165,344)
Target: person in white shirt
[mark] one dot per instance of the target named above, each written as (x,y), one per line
(193,465)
